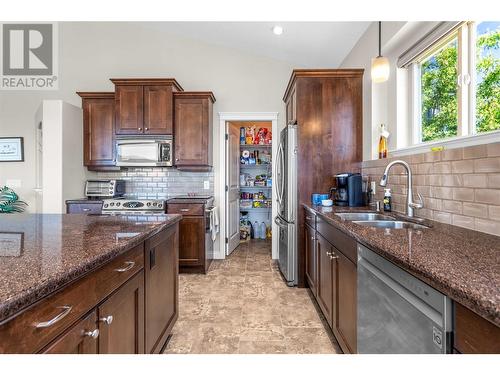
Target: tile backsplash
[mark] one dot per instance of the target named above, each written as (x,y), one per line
(161,183)
(460,186)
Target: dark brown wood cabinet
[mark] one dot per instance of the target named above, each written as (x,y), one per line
(346,302)
(311,259)
(121,319)
(327,105)
(144,106)
(79,339)
(161,269)
(98,130)
(474,334)
(193,130)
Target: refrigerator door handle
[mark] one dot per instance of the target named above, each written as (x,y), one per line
(280,185)
(279,222)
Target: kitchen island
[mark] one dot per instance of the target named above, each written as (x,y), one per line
(87,283)
(460,263)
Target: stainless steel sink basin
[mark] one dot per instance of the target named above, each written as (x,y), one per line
(364,216)
(391,224)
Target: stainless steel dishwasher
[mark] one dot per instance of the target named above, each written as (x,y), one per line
(397,313)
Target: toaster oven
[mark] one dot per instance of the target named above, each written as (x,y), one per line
(104,188)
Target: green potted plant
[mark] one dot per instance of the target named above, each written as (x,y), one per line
(9,201)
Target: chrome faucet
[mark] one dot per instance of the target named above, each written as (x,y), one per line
(410,205)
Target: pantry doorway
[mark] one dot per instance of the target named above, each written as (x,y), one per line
(250,142)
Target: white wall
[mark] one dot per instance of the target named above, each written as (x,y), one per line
(385,102)
(91,53)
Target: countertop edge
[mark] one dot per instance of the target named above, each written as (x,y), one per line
(446,289)
(30,297)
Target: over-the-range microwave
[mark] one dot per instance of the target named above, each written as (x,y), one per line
(144,152)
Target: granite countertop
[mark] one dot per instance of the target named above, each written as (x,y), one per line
(42,253)
(461,263)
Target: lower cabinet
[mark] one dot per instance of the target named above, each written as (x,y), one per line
(311,259)
(332,278)
(121,319)
(79,339)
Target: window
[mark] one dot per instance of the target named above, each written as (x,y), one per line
(456,83)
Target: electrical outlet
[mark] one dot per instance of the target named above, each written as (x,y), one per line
(206,185)
(373,187)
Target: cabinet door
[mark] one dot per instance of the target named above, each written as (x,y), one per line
(84,208)
(311,259)
(192,129)
(129,109)
(158,111)
(99,132)
(346,297)
(325,279)
(291,107)
(121,319)
(192,241)
(161,287)
(79,339)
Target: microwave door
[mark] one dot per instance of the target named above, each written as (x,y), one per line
(137,154)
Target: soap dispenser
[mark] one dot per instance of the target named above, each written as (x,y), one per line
(387,200)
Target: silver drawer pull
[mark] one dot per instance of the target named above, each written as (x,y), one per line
(184,209)
(333,256)
(93,334)
(107,320)
(85,209)
(129,266)
(55,319)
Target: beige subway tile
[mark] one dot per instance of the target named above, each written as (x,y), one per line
(425,213)
(494,181)
(487,165)
(432,156)
(494,212)
(475,152)
(475,209)
(490,196)
(453,154)
(442,167)
(451,180)
(462,221)
(462,166)
(463,194)
(417,158)
(398,198)
(442,217)
(419,180)
(424,168)
(441,192)
(475,180)
(488,226)
(493,149)
(423,190)
(434,180)
(432,203)
(452,206)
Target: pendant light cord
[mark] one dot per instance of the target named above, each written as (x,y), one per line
(379,38)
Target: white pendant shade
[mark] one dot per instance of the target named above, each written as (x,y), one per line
(380,69)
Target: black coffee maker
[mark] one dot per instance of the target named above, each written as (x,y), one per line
(348,190)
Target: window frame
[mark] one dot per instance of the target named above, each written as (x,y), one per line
(465,33)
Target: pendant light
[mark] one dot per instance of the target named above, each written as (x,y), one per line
(380,64)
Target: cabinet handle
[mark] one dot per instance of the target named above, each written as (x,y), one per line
(55,319)
(184,209)
(107,319)
(85,209)
(140,129)
(129,266)
(146,129)
(333,255)
(176,159)
(93,334)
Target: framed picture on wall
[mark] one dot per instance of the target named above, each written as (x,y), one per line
(11,149)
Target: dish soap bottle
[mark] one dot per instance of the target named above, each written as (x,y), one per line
(382,143)
(387,200)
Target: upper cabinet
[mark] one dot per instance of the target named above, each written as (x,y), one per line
(193,130)
(98,130)
(144,106)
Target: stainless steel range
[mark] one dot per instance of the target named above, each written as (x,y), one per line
(122,206)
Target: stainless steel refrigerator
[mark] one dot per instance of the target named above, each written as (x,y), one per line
(287,200)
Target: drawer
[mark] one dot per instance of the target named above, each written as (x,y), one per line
(83,208)
(310,218)
(188,209)
(344,243)
(474,334)
(65,307)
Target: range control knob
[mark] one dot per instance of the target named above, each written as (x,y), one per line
(106,205)
(148,204)
(118,204)
(155,204)
(112,204)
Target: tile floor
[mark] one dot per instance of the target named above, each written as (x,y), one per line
(243,306)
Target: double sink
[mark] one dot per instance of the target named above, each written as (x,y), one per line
(376,220)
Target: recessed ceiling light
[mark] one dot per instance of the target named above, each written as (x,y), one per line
(277,30)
